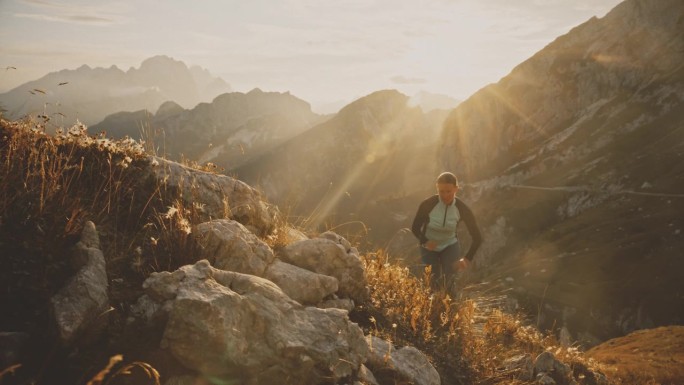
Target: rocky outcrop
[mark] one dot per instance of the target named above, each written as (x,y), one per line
(233,326)
(81,305)
(228,245)
(406,364)
(219,196)
(228,132)
(332,258)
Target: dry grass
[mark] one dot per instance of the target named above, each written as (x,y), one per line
(444,327)
(51,185)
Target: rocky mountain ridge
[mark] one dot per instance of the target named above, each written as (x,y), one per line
(89,94)
(228,132)
(575,167)
(375,148)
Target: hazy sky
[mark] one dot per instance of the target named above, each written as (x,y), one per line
(323,51)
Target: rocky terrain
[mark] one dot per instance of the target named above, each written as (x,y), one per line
(574,164)
(191,277)
(89,94)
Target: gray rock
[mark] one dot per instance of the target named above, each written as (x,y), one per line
(405,364)
(81,305)
(366,376)
(233,326)
(522,363)
(221,196)
(545,379)
(228,245)
(337,303)
(327,257)
(301,285)
(547,363)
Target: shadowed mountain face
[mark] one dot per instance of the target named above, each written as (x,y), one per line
(90,94)
(576,168)
(231,130)
(375,152)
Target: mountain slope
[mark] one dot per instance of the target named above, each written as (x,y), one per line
(576,168)
(229,131)
(347,169)
(90,94)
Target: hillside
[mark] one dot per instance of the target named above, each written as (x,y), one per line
(228,132)
(351,168)
(89,94)
(575,168)
(121,267)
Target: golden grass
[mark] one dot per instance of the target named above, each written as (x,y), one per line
(444,326)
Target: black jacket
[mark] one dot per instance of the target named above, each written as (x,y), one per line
(420,223)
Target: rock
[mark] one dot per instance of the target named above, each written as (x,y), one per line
(81,305)
(221,196)
(327,257)
(544,379)
(366,376)
(301,285)
(337,239)
(522,363)
(407,364)
(546,363)
(292,234)
(337,303)
(228,245)
(238,327)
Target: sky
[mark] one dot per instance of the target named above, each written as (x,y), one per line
(327,52)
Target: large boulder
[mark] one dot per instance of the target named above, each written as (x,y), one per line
(243,328)
(301,285)
(228,245)
(405,365)
(220,196)
(81,305)
(335,258)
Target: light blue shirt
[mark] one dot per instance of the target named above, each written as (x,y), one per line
(442,225)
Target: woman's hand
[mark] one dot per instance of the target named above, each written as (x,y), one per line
(463,264)
(430,245)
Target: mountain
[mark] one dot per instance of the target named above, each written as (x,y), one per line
(574,163)
(348,169)
(89,94)
(429,101)
(229,131)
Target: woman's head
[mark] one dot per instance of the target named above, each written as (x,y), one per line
(447,187)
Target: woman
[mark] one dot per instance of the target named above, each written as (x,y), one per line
(435,227)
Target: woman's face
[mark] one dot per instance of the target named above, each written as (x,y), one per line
(446,192)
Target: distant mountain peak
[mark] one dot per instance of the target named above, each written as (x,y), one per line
(94,93)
